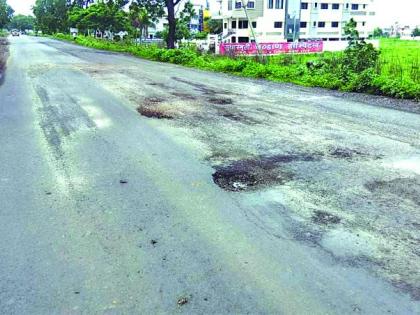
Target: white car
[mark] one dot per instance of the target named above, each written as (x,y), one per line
(15,33)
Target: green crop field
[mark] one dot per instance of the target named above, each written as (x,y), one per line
(400,59)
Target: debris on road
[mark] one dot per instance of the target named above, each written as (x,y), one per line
(182,301)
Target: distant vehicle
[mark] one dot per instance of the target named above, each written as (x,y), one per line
(15,33)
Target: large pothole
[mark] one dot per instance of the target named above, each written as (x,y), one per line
(250,174)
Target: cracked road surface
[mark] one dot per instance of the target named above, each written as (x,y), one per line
(134,187)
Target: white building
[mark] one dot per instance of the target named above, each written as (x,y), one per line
(292,20)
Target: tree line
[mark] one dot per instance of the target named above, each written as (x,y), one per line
(135,16)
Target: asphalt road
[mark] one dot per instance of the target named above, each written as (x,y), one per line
(134,187)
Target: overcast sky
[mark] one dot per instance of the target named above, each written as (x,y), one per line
(387,11)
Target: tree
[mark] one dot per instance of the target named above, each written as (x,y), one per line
(6,13)
(144,14)
(182,26)
(351,32)
(22,22)
(215,26)
(377,32)
(359,55)
(416,32)
(104,16)
(51,15)
(170,7)
(79,3)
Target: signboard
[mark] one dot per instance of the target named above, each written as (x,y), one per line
(271,48)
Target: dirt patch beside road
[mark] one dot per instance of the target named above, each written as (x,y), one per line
(4,54)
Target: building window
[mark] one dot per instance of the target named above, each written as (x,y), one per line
(233,39)
(243,24)
(316,5)
(278,24)
(304,5)
(225,26)
(238,5)
(364,6)
(334,24)
(314,25)
(355,6)
(321,24)
(233,24)
(279,4)
(303,24)
(347,5)
(335,6)
(229,5)
(251,5)
(254,24)
(270,4)
(364,23)
(243,39)
(324,6)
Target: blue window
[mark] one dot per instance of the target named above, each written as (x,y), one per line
(355,7)
(335,6)
(279,4)
(324,6)
(251,5)
(270,4)
(304,5)
(238,5)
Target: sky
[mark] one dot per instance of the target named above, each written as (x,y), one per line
(387,11)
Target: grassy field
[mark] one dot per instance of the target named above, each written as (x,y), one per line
(400,59)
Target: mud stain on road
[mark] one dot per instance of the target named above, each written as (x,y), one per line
(184,96)
(405,188)
(220,101)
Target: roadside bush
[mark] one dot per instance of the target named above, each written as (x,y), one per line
(256,70)
(362,82)
(360,57)
(396,88)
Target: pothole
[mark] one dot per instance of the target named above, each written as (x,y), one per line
(345,153)
(324,217)
(154,113)
(220,101)
(244,175)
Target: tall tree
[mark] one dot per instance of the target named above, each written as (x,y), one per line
(351,32)
(416,32)
(22,22)
(170,7)
(51,15)
(104,16)
(145,13)
(6,13)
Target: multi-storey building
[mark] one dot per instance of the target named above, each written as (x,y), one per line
(293,20)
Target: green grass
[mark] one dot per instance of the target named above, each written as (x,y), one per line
(400,59)
(327,70)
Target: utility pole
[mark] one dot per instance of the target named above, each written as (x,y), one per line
(244,6)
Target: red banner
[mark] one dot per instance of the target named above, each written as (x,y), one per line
(271,48)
